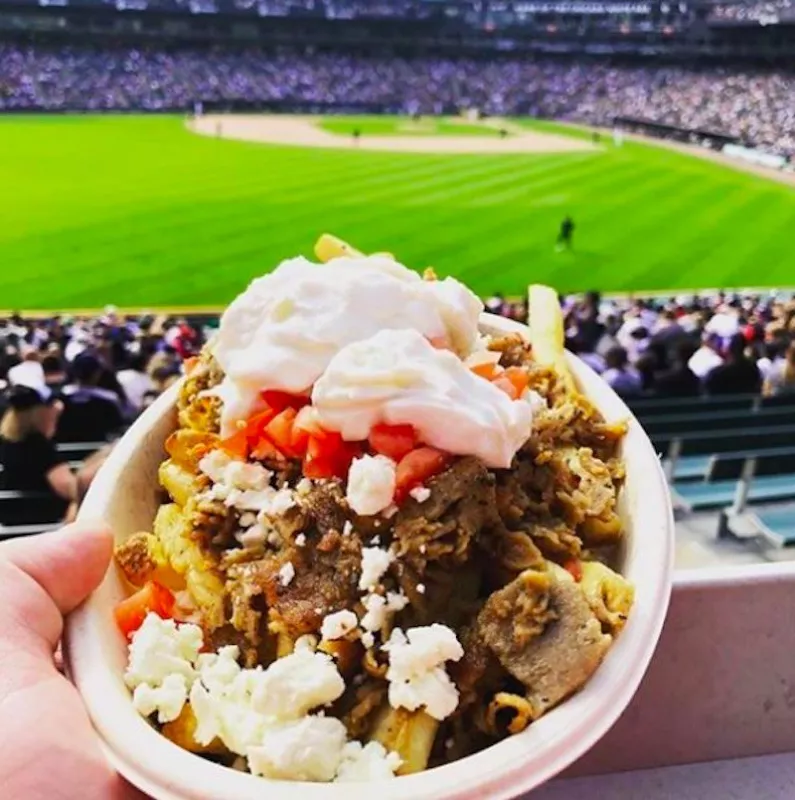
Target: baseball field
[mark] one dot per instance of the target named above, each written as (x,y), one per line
(142,212)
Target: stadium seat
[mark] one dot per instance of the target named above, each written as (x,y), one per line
(692,467)
(703,495)
(739,478)
(16,531)
(79,451)
(777,525)
(779,401)
(724,441)
(29,508)
(717,420)
(643,408)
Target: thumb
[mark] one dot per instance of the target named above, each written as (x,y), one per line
(43,578)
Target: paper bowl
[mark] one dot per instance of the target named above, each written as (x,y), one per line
(125,494)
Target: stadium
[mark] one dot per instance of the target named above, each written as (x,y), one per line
(637,156)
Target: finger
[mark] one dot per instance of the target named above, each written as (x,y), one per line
(68,564)
(42,578)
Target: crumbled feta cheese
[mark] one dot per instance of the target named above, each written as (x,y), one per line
(375,541)
(286,574)
(420,493)
(421,588)
(368,763)
(423,549)
(376,615)
(368,640)
(416,674)
(371,484)
(160,648)
(306,642)
(300,540)
(281,501)
(167,699)
(396,601)
(339,624)
(294,685)
(347,528)
(214,465)
(304,486)
(375,562)
(247,519)
(379,609)
(309,749)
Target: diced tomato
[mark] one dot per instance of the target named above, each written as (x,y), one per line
(131,613)
(507,385)
(438,342)
(328,456)
(394,441)
(488,370)
(278,401)
(416,468)
(520,379)
(265,450)
(236,445)
(280,431)
(574,567)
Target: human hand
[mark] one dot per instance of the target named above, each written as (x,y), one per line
(48,749)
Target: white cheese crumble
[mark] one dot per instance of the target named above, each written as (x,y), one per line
(420,493)
(416,674)
(309,749)
(160,648)
(421,588)
(167,699)
(379,609)
(244,486)
(304,487)
(260,715)
(300,540)
(368,640)
(371,484)
(347,528)
(337,625)
(369,763)
(286,574)
(375,562)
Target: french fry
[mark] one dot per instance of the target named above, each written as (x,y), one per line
(546,331)
(408,733)
(329,247)
(182,732)
(180,483)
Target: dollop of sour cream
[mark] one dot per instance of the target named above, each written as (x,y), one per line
(283,331)
(398,377)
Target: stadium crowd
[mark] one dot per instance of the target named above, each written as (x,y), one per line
(758,107)
(67,380)
(681,346)
(765,12)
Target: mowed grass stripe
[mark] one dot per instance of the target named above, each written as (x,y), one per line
(138,207)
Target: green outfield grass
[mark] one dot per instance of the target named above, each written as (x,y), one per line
(137,211)
(403,126)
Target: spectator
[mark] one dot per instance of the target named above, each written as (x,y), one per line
(622,378)
(738,375)
(679,380)
(54,373)
(28,454)
(781,378)
(91,414)
(707,357)
(134,380)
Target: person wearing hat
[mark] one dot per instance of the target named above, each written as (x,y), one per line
(30,461)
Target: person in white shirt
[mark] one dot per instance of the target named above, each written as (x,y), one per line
(707,357)
(135,382)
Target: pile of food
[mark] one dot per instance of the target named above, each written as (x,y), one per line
(389,539)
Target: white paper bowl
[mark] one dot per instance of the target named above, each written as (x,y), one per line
(126,494)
